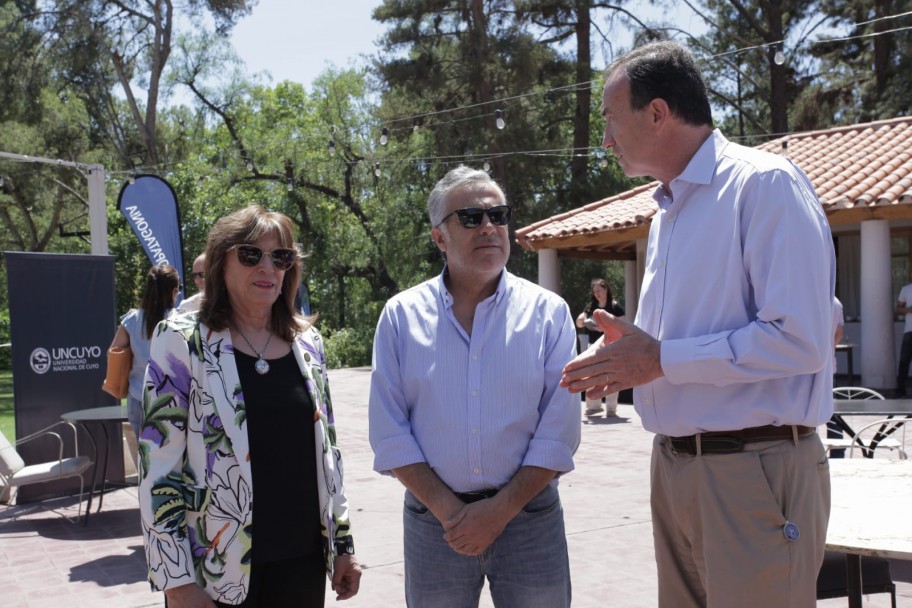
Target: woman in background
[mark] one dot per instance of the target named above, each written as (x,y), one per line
(604,299)
(136,327)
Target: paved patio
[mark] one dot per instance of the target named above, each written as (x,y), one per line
(45,561)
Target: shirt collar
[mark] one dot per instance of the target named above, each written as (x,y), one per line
(699,170)
(447,297)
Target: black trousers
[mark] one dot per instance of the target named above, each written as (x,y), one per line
(905,358)
(290,583)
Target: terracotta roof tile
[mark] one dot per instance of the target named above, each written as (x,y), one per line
(856,167)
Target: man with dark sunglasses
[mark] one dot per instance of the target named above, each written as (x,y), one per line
(198,273)
(466,411)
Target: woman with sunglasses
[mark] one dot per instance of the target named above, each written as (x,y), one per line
(238,393)
(603,299)
(136,327)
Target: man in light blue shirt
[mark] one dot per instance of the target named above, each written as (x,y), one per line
(731,354)
(467,412)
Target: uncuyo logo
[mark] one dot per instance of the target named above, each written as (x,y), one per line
(66,359)
(40,360)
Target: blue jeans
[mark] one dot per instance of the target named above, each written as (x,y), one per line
(526,567)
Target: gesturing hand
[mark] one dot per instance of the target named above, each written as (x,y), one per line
(625,356)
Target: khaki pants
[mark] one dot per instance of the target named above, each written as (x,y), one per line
(718,524)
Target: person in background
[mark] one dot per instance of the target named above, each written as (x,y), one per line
(904,307)
(465,410)
(136,328)
(193,303)
(731,355)
(833,430)
(238,406)
(602,299)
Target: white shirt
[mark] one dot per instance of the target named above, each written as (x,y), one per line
(191,304)
(474,407)
(905,296)
(739,282)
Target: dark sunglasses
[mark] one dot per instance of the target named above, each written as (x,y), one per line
(197,275)
(471,217)
(250,255)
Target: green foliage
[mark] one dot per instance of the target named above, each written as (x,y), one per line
(6,355)
(348,347)
(7,415)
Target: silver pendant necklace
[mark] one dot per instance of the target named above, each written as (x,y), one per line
(261,366)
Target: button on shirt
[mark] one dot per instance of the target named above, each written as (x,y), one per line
(738,286)
(475,408)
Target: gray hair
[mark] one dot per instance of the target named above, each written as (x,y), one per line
(458,178)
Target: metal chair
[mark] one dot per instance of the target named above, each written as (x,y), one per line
(831,435)
(855,392)
(14,472)
(876,577)
(880,435)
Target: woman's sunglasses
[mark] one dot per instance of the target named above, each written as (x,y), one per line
(471,217)
(250,255)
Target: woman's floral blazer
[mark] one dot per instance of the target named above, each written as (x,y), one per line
(195,489)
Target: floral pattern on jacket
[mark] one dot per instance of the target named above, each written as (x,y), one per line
(195,490)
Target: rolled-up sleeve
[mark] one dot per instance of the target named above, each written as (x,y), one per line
(388,415)
(557,436)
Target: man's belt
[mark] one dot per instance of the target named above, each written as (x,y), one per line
(468,497)
(729,442)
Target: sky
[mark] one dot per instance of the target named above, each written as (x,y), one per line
(298,39)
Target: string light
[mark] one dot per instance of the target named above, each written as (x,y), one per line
(1,181)
(289,184)
(603,162)
(779,57)
(332,148)
(486,166)
(384,136)
(132,178)
(377,171)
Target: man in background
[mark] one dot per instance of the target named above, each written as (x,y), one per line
(905,351)
(192,304)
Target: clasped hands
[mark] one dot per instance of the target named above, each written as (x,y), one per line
(474,526)
(625,356)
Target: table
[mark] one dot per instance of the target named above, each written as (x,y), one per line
(101,416)
(869,513)
(882,408)
(847,349)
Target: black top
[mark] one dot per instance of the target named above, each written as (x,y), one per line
(280,430)
(612,307)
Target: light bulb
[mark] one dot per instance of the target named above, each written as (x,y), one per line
(415,129)
(377,171)
(1,181)
(384,136)
(249,165)
(603,163)
(499,121)
(486,166)
(779,57)
(289,184)
(132,179)
(332,147)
